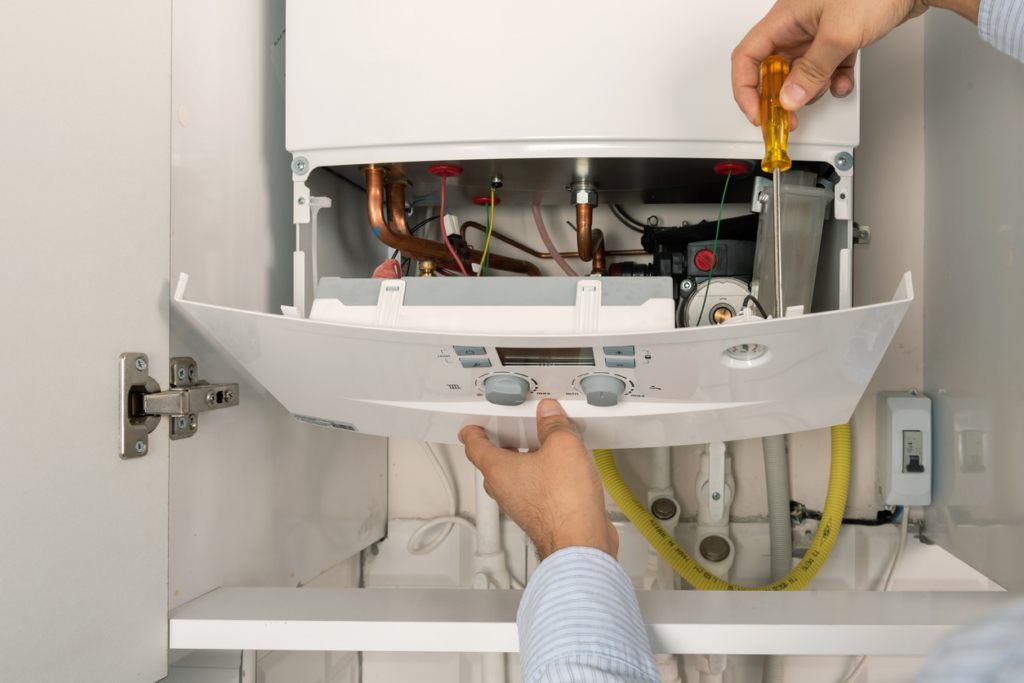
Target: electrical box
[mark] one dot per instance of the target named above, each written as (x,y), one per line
(904,469)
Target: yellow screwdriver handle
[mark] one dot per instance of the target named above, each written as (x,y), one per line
(774,119)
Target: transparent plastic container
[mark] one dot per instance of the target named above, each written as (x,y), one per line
(803,217)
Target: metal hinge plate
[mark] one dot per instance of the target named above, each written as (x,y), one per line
(142,402)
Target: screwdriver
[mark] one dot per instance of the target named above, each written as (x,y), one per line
(775,129)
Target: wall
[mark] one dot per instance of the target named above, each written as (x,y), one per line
(973,319)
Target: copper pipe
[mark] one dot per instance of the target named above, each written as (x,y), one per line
(599,253)
(584,240)
(396,204)
(416,247)
(541,254)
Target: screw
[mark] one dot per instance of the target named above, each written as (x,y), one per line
(497,182)
(182,374)
(843,161)
(140,446)
(653,221)
(302,201)
(762,197)
(229,396)
(192,422)
(211,398)
(716,495)
(140,363)
(182,422)
(192,372)
(300,165)
(686,285)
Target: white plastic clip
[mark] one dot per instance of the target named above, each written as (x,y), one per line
(389,302)
(588,305)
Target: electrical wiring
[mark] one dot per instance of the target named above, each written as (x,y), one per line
(487,242)
(413,229)
(449,520)
(444,230)
(750,298)
(885,584)
(627,220)
(714,250)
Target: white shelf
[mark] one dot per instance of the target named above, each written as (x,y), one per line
(680,622)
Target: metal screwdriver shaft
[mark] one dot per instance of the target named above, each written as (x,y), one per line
(775,129)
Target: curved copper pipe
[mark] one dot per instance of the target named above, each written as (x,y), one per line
(416,247)
(599,253)
(541,254)
(396,204)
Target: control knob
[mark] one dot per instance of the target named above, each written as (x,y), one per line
(602,390)
(506,390)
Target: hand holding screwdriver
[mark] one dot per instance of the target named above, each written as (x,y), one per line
(775,130)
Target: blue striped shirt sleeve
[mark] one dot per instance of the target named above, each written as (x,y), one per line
(579,622)
(987,652)
(1001,23)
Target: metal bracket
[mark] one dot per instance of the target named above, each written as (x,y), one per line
(861,234)
(142,402)
(762,193)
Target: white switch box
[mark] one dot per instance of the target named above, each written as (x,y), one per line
(904,471)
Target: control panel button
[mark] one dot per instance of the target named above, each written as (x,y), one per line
(474,362)
(470,351)
(620,362)
(620,350)
(506,390)
(602,390)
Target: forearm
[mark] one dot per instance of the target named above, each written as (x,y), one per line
(579,620)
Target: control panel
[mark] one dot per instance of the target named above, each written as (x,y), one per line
(511,375)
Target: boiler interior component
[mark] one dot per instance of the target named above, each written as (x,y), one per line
(724,301)
(803,213)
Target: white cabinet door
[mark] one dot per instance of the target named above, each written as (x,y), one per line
(84,232)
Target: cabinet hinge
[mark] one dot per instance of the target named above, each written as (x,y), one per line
(143,403)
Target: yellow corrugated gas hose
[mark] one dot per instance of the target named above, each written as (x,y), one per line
(691,570)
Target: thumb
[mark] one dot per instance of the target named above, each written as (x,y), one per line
(812,73)
(551,418)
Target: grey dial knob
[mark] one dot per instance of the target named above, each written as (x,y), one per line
(506,390)
(602,390)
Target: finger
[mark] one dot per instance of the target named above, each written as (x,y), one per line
(842,81)
(551,418)
(813,72)
(479,449)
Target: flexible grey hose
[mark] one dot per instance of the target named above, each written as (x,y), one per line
(780,534)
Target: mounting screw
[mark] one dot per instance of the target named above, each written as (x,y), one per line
(140,364)
(716,495)
(843,161)
(653,221)
(497,182)
(229,396)
(211,398)
(182,422)
(302,201)
(182,374)
(140,446)
(763,197)
(192,422)
(192,372)
(686,286)
(300,165)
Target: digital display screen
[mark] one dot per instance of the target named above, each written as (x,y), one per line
(562,356)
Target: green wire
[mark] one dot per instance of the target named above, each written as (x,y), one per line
(714,250)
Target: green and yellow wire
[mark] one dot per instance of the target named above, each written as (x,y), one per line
(487,242)
(714,251)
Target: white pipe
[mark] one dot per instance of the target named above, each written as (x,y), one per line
(661,468)
(488,520)
(780,532)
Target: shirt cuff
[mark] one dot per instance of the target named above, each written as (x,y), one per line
(1001,24)
(579,620)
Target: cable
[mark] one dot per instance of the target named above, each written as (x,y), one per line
(714,251)
(444,230)
(627,220)
(341,177)
(885,586)
(799,512)
(751,298)
(450,519)
(692,571)
(487,242)
(546,239)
